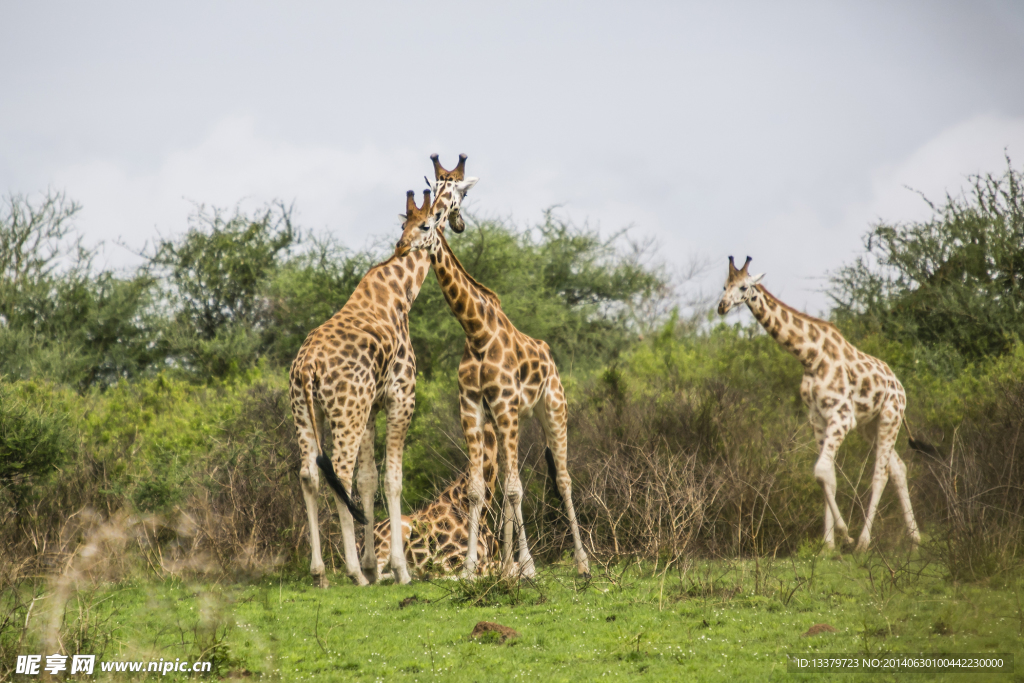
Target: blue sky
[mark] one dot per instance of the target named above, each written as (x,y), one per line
(779,130)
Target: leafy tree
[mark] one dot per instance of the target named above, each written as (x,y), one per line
(34,240)
(306,290)
(218,273)
(954,283)
(57,317)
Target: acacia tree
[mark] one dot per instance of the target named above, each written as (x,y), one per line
(217,275)
(953,283)
(58,316)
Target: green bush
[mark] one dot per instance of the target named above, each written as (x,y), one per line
(33,442)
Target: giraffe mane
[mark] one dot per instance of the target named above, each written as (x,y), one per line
(384,263)
(792,311)
(393,257)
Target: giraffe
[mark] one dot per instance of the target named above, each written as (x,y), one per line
(842,388)
(436,537)
(357,363)
(504,374)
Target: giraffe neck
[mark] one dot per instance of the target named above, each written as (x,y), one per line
(797,332)
(419,267)
(395,282)
(474,306)
(455,494)
(442,204)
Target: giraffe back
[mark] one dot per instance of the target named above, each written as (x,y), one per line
(436,537)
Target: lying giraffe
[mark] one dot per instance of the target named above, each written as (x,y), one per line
(503,375)
(355,364)
(436,538)
(842,387)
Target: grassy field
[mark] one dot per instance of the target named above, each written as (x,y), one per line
(715,621)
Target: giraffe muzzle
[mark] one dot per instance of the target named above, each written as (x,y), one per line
(455,221)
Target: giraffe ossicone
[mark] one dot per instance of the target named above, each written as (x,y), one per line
(842,387)
(356,364)
(504,374)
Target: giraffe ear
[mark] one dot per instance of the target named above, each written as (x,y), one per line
(756,278)
(464,186)
(402,217)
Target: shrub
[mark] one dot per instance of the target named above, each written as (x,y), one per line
(33,443)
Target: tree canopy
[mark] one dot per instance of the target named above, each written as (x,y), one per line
(239,288)
(953,284)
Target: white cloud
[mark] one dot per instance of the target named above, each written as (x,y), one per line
(799,244)
(975,146)
(357,194)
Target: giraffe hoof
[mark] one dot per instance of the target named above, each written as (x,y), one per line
(320,581)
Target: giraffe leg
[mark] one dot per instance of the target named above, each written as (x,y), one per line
(898,470)
(885,438)
(830,537)
(382,547)
(553,421)
(348,542)
(507,528)
(366,480)
(309,478)
(399,413)
(473,428)
(819,425)
(348,425)
(508,435)
(825,468)
(485,540)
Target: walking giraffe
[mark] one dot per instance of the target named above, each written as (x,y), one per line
(436,538)
(503,375)
(842,387)
(355,364)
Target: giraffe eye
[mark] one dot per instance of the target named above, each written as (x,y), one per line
(743,288)
(424,227)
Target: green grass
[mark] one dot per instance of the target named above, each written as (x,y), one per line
(713,621)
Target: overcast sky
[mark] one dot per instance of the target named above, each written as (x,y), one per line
(778,130)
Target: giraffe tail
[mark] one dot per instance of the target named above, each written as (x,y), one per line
(552,471)
(332,480)
(926,448)
(921,446)
(324,464)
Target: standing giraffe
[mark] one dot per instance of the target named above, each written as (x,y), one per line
(842,387)
(355,364)
(503,374)
(437,537)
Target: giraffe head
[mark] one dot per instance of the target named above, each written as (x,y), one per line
(417,217)
(739,286)
(455,178)
(421,227)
